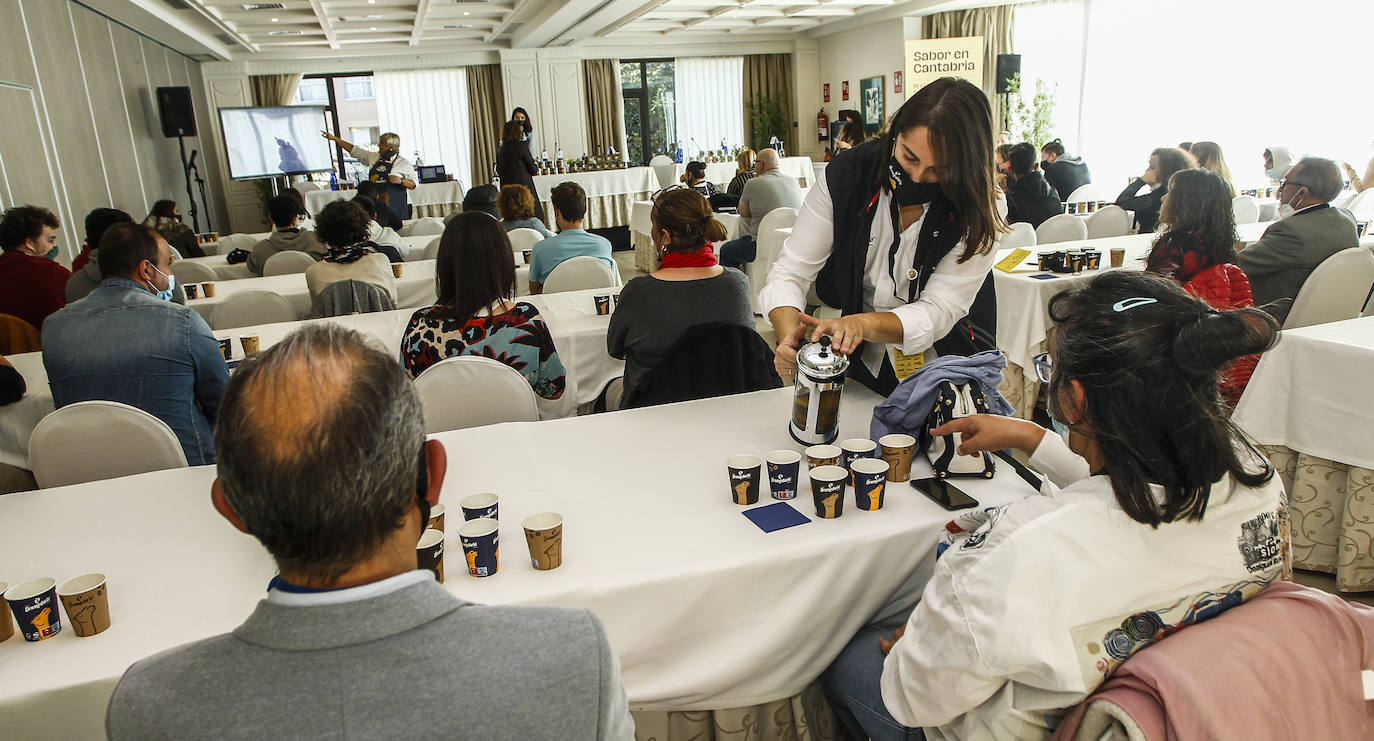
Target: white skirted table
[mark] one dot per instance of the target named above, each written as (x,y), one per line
(427,199)
(706,612)
(1310,405)
(721,173)
(610,193)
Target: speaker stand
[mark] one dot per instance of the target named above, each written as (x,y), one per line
(200,185)
(186,172)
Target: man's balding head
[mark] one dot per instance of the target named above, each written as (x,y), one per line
(1320,176)
(318,445)
(767,160)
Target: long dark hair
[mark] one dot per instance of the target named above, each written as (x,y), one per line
(1147,355)
(960,122)
(165,209)
(475,266)
(511,132)
(1199,203)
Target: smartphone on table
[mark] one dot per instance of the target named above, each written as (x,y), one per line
(944,494)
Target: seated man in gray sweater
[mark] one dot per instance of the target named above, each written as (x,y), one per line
(770,188)
(285,213)
(353,641)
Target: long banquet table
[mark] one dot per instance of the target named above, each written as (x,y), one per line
(427,199)
(705,611)
(721,173)
(610,193)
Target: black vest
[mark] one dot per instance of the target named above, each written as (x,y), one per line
(851,179)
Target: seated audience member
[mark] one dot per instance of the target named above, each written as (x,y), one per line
(353,640)
(384,238)
(695,178)
(1029,198)
(851,135)
(1164,162)
(771,188)
(165,217)
(482,198)
(383,214)
(1277,162)
(516,207)
(1005,177)
(1198,226)
(569,209)
(287,234)
(1209,157)
(349,254)
(1150,470)
(128,342)
(306,220)
(86,267)
(31,285)
(1186,146)
(1066,172)
(1309,230)
(688,288)
(476,313)
(1360,184)
(744,162)
(12,385)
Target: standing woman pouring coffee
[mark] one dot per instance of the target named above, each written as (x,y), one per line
(899,234)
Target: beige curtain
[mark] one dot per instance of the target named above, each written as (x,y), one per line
(605,115)
(995,26)
(486,102)
(769,76)
(274,89)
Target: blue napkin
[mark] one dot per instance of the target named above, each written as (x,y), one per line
(776,517)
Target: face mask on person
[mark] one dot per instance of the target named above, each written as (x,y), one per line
(52,253)
(1060,428)
(906,192)
(1286,209)
(170,292)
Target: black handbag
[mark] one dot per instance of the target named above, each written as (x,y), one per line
(952,402)
(237,256)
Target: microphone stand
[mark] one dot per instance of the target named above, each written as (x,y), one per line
(186,173)
(200,184)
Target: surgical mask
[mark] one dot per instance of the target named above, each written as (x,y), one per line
(1059,427)
(906,192)
(52,253)
(170,293)
(1285,210)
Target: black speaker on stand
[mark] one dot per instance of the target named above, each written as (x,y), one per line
(178,118)
(1008,66)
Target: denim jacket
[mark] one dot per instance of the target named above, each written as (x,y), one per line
(122,343)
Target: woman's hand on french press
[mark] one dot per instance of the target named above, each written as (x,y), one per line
(846,332)
(785,354)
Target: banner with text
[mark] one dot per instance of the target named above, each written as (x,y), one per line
(928,60)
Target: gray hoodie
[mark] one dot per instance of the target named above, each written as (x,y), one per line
(84,280)
(300,240)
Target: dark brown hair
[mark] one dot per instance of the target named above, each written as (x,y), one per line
(22,223)
(688,219)
(570,200)
(475,266)
(959,119)
(515,202)
(1199,203)
(512,132)
(1171,160)
(342,223)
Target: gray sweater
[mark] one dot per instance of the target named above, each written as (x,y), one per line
(653,314)
(535,224)
(281,240)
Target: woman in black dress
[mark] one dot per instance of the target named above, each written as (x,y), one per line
(515,165)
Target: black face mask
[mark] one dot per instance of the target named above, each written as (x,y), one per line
(525,124)
(908,193)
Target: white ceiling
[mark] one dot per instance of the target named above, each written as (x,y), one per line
(285,29)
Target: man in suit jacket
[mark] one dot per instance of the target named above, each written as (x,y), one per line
(322,457)
(1279,263)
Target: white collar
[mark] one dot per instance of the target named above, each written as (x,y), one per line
(351,594)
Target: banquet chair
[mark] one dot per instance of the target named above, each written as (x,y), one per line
(1362,206)
(579,274)
(660,159)
(1109,221)
(230,242)
(713,359)
(1337,289)
(1061,228)
(1022,234)
(193,272)
(423,227)
(18,336)
(432,249)
(287,263)
(114,439)
(350,297)
(767,246)
(471,391)
(523,238)
(1246,209)
(247,308)
(1084,192)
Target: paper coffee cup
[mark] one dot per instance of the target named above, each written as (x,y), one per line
(544,536)
(477,506)
(822,455)
(745,472)
(436,518)
(429,552)
(6,624)
(827,490)
(226,348)
(527,254)
(250,345)
(856,448)
(192,291)
(898,450)
(396,269)
(207,290)
(603,305)
(783,467)
(34,604)
(870,479)
(480,538)
(87,605)
(1118,256)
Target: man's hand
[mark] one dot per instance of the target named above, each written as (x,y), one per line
(394,179)
(985,432)
(887,645)
(785,354)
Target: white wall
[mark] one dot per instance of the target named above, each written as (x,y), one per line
(867,51)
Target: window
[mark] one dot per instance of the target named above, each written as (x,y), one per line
(312,90)
(650,108)
(710,104)
(353,116)
(357,88)
(363,133)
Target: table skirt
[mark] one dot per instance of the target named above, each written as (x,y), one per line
(437,210)
(803,717)
(1332,507)
(602,211)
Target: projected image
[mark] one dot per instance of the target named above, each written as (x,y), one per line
(274,141)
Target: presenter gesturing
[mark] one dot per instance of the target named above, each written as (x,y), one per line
(386,166)
(899,234)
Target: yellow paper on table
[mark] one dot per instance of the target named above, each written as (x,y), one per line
(1012,261)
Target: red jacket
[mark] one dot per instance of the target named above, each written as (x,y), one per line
(83,258)
(31,287)
(1227,287)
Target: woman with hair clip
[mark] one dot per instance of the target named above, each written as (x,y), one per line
(1158,513)
(899,235)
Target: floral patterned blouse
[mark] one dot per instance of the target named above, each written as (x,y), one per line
(518,338)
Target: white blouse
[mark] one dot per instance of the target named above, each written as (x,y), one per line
(947,296)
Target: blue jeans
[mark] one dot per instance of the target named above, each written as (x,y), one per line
(852,685)
(737,252)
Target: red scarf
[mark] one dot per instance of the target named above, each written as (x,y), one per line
(701,258)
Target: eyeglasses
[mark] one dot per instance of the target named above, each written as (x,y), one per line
(1043,366)
(1285,182)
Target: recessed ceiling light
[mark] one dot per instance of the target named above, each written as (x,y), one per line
(274,20)
(466,13)
(374,28)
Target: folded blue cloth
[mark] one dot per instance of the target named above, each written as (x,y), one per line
(905,411)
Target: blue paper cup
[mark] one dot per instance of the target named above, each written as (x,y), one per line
(480,545)
(854,449)
(745,474)
(34,604)
(429,552)
(478,506)
(827,490)
(870,479)
(783,467)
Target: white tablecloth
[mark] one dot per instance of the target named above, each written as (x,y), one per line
(17,420)
(223,270)
(646,257)
(427,199)
(703,609)
(610,193)
(721,173)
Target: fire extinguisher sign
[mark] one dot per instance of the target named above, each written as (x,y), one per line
(844,90)
(825,92)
